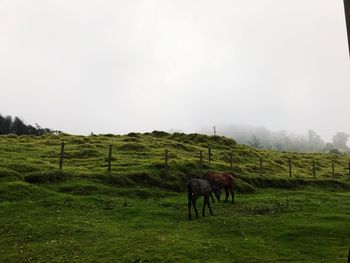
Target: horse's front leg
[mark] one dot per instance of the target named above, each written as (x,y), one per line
(211,212)
(194,206)
(189,208)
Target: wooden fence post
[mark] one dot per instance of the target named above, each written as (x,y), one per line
(209,154)
(333,173)
(261,166)
(231,161)
(61,156)
(109,158)
(166,159)
(200,159)
(349,168)
(314,168)
(290,166)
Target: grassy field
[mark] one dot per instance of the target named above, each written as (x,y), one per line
(138,212)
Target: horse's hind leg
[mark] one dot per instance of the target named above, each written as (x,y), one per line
(212,198)
(217,194)
(227,194)
(211,212)
(189,209)
(232,194)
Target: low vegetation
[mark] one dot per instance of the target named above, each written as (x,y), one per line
(138,211)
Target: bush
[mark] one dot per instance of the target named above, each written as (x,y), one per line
(133,134)
(159,134)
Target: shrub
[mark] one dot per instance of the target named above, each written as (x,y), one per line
(159,134)
(133,134)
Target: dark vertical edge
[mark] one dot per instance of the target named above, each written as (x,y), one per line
(314,168)
(290,166)
(261,166)
(109,158)
(166,157)
(347,19)
(61,156)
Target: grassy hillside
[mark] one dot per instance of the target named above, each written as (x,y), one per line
(138,211)
(138,159)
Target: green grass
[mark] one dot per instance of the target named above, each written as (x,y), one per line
(83,221)
(136,154)
(138,212)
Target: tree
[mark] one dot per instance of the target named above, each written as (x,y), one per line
(315,142)
(340,140)
(19,127)
(255,142)
(5,124)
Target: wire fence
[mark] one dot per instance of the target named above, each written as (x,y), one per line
(231,160)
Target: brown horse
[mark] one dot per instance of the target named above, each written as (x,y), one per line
(221,181)
(197,188)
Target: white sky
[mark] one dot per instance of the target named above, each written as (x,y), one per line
(120,66)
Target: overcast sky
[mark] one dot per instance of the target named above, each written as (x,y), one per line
(118,66)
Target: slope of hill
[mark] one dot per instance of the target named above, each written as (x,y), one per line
(135,214)
(139,159)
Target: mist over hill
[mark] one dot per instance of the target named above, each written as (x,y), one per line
(261,137)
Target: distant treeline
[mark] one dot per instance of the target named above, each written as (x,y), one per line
(9,125)
(260,137)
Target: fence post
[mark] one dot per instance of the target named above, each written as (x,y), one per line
(209,154)
(333,173)
(290,166)
(166,159)
(349,168)
(314,168)
(61,156)
(200,159)
(109,158)
(261,166)
(231,161)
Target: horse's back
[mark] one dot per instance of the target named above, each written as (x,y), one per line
(216,179)
(199,186)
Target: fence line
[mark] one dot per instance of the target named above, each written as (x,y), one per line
(109,158)
(210,159)
(60,165)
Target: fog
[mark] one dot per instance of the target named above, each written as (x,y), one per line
(121,66)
